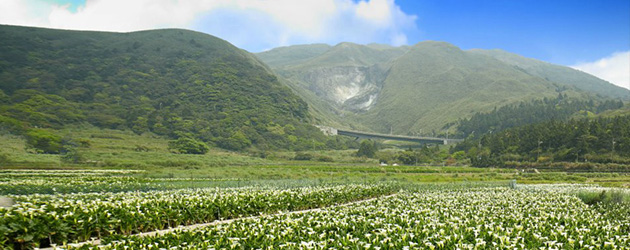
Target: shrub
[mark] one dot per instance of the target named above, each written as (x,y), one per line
(303,157)
(325,158)
(11,125)
(185,145)
(140,148)
(84,143)
(407,157)
(603,197)
(72,155)
(459,155)
(44,141)
(4,159)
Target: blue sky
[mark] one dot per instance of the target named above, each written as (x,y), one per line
(593,36)
(559,31)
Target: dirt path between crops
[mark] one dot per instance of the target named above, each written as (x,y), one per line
(217,222)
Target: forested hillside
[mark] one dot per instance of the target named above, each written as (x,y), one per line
(599,140)
(537,111)
(176,83)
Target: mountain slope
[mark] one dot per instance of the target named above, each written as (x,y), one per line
(171,82)
(435,83)
(423,88)
(339,81)
(559,74)
(286,56)
(351,54)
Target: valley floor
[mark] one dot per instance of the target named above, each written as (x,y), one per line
(114,209)
(128,184)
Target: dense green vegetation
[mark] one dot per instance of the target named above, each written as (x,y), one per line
(184,145)
(367,149)
(174,83)
(537,111)
(587,142)
(422,156)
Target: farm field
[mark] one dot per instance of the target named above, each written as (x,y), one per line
(114,205)
(478,218)
(40,219)
(148,155)
(121,190)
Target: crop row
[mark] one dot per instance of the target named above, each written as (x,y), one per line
(61,184)
(77,172)
(485,218)
(573,188)
(42,220)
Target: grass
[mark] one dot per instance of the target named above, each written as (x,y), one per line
(120,149)
(116,149)
(604,198)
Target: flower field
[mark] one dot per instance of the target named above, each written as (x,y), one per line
(59,208)
(42,219)
(24,182)
(481,218)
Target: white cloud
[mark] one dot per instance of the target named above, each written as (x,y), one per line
(252,24)
(399,39)
(378,11)
(614,68)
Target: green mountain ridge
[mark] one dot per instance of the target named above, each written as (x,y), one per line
(171,82)
(436,82)
(559,74)
(284,56)
(421,89)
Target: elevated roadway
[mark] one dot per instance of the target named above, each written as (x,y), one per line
(423,140)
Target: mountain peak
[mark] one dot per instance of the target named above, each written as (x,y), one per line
(434,44)
(347,45)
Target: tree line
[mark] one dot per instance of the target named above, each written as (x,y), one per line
(598,140)
(536,111)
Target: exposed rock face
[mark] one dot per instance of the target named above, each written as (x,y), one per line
(349,88)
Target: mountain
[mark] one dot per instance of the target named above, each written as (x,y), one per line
(171,82)
(337,82)
(285,56)
(557,73)
(422,88)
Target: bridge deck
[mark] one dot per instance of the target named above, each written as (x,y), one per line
(396,137)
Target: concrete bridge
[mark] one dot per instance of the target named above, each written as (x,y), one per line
(358,134)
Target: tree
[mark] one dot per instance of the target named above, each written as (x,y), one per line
(185,145)
(407,157)
(367,149)
(44,141)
